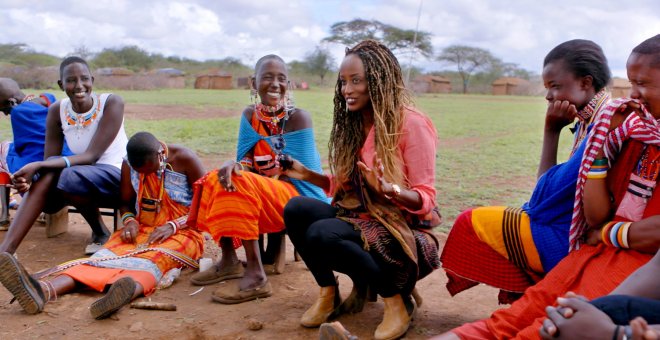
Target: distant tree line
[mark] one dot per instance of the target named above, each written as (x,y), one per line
(474,68)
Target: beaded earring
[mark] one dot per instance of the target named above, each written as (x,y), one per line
(161,163)
(254,95)
(289,103)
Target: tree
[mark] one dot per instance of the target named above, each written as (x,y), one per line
(82,51)
(467,59)
(131,57)
(319,62)
(396,39)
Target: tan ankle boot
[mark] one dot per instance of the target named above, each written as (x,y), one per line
(395,319)
(319,312)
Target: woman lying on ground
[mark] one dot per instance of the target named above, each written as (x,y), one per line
(156,183)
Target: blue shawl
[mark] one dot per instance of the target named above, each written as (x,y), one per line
(550,209)
(299,145)
(28,124)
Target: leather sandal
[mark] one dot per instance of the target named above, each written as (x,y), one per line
(21,285)
(230,293)
(214,275)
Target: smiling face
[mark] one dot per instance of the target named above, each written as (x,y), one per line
(271,82)
(77,83)
(354,86)
(562,84)
(645,81)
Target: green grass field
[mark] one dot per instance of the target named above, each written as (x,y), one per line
(488,151)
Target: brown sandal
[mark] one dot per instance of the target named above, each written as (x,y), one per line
(230,293)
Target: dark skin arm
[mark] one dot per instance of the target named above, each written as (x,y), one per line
(643,282)
(598,206)
(574,315)
(113,115)
(130,229)
(182,160)
(558,115)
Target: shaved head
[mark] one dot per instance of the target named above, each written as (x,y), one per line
(9,88)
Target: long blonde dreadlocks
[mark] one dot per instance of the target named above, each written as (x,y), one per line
(388,98)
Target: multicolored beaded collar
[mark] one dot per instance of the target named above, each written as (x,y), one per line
(267,115)
(82,120)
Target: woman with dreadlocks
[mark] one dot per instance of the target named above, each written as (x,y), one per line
(377,230)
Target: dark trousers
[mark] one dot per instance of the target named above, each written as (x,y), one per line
(622,308)
(328,244)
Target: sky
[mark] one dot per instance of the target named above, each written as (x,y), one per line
(516,31)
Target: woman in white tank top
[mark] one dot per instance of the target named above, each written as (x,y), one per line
(93,126)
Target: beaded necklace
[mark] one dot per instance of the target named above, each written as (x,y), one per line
(82,120)
(587,116)
(271,120)
(649,165)
(142,195)
(28,98)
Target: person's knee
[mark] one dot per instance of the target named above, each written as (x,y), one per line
(294,209)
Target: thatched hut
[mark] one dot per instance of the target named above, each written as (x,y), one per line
(620,87)
(507,86)
(170,78)
(431,84)
(216,81)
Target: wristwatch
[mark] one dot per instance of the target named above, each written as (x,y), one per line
(396,191)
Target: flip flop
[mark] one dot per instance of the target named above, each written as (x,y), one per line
(213,275)
(230,293)
(21,285)
(120,294)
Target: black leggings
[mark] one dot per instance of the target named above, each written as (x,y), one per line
(327,243)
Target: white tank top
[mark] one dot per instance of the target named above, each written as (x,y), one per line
(78,131)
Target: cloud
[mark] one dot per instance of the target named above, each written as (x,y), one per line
(517,31)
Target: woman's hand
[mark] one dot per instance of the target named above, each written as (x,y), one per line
(623,112)
(22,179)
(375,177)
(225,173)
(292,168)
(559,114)
(593,237)
(130,231)
(161,233)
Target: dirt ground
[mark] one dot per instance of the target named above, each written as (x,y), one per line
(197,317)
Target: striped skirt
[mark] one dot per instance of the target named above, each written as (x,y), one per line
(256,207)
(492,245)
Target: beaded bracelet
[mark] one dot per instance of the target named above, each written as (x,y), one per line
(128,220)
(126,215)
(597,172)
(605,232)
(173,224)
(613,233)
(622,236)
(600,161)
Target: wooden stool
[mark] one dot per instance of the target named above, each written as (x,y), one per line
(58,223)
